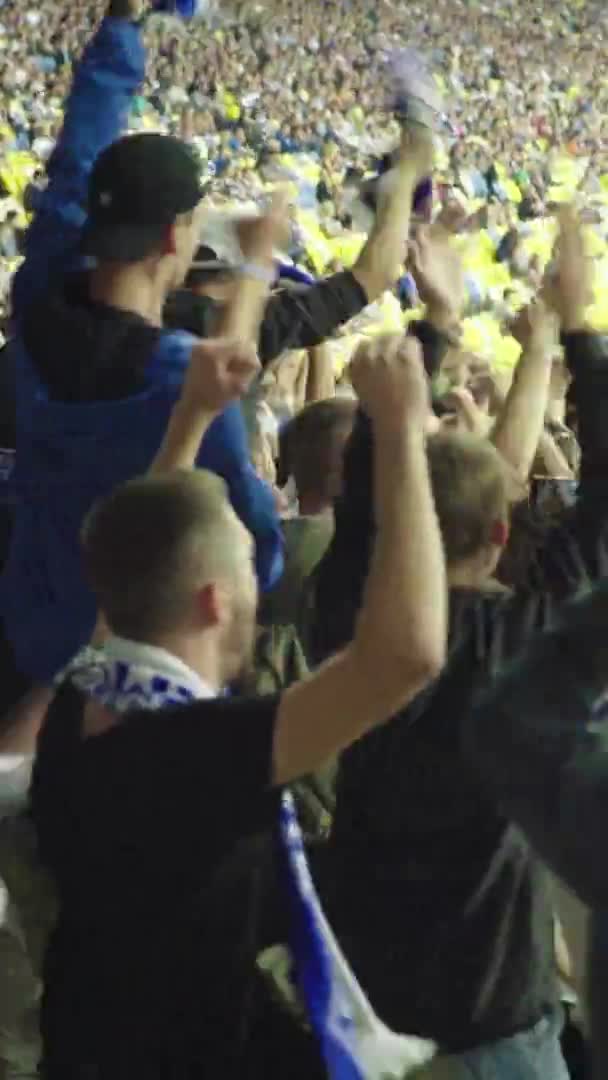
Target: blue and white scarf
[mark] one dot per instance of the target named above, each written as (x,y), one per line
(125,676)
(356,1045)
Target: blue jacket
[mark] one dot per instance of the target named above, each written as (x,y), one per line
(71,451)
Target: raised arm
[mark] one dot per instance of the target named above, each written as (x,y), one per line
(576,553)
(96,112)
(221,369)
(400,638)
(216,439)
(377,267)
(586,357)
(519,427)
(306,319)
(437,270)
(320,377)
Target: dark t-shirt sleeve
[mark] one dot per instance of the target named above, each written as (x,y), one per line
(303,320)
(175,773)
(291,320)
(196,752)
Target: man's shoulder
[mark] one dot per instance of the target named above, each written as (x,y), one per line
(119,345)
(178,761)
(212,723)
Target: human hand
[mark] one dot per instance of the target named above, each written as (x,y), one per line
(437,270)
(569,290)
(259,237)
(414,93)
(220,371)
(388,376)
(469,416)
(452,216)
(488,393)
(534,327)
(417,151)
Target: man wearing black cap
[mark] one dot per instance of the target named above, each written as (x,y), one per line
(96,374)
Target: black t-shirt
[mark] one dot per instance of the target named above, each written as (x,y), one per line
(451,934)
(148,830)
(437,899)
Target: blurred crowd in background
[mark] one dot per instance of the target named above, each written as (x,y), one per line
(295,91)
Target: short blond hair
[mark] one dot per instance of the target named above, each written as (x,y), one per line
(151,543)
(470,490)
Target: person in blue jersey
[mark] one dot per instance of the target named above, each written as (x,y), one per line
(96,375)
(96,372)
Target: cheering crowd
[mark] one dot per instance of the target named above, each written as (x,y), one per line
(520,83)
(303,535)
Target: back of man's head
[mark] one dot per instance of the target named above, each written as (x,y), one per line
(143,188)
(469,484)
(312,449)
(154,543)
(470,494)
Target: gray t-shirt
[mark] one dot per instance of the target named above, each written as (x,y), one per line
(306,541)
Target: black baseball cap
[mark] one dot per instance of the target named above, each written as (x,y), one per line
(138,187)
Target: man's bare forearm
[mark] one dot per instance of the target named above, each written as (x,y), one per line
(320,381)
(519,427)
(242,317)
(187,427)
(378,265)
(191,419)
(404,614)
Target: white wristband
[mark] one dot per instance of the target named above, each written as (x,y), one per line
(258,272)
